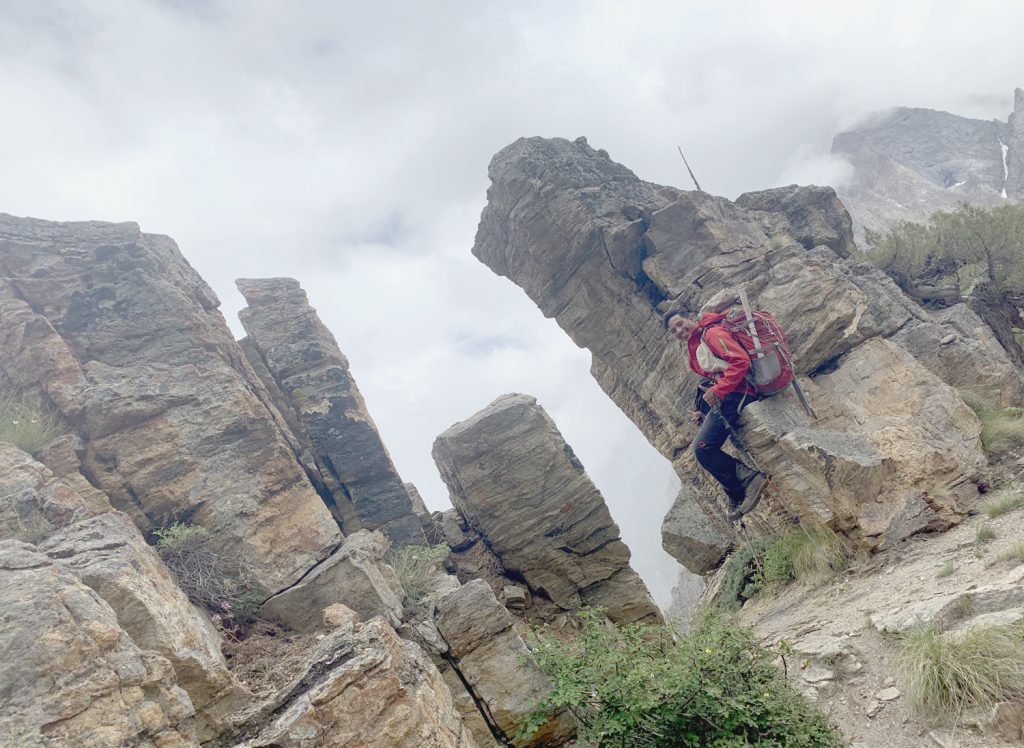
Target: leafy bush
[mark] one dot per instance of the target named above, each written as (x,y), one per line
(1002,502)
(1002,429)
(942,673)
(644,686)
(416,566)
(28,427)
(210,579)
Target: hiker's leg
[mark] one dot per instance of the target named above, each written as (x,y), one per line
(707,447)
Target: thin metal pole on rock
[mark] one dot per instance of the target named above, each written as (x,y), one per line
(687,163)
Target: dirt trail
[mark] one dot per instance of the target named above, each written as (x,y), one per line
(843,630)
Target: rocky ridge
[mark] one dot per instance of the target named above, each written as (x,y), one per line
(598,249)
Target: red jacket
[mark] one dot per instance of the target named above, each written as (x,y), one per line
(720,343)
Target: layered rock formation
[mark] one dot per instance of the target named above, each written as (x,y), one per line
(364,687)
(115,331)
(598,249)
(909,163)
(515,481)
(71,675)
(302,366)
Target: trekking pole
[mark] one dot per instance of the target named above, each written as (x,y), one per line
(687,163)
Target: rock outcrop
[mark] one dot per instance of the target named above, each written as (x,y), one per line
(355,576)
(493,662)
(513,478)
(107,554)
(814,216)
(364,687)
(71,674)
(114,330)
(909,163)
(598,249)
(310,377)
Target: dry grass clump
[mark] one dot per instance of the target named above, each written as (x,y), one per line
(944,674)
(984,534)
(1002,429)
(26,426)
(269,657)
(416,566)
(812,554)
(1015,553)
(946,570)
(1002,502)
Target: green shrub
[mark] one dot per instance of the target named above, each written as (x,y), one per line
(28,427)
(416,566)
(642,686)
(1002,429)
(943,674)
(208,577)
(1002,502)
(984,534)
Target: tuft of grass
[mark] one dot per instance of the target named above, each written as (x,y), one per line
(946,570)
(1002,502)
(984,534)
(943,674)
(416,566)
(1015,553)
(1002,429)
(28,427)
(813,554)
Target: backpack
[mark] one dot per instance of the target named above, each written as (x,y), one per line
(771,360)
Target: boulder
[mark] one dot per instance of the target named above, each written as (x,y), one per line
(516,482)
(122,336)
(107,554)
(363,687)
(34,502)
(71,674)
(691,537)
(493,661)
(815,215)
(312,376)
(355,576)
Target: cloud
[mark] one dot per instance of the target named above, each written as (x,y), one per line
(346,144)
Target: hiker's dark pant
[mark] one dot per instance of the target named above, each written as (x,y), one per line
(707,445)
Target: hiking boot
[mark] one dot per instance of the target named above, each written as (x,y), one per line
(733,513)
(753,487)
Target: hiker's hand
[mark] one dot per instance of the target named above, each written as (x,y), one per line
(711,399)
(696,417)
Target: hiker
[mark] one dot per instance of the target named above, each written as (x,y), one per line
(717,356)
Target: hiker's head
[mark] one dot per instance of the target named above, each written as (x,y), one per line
(680,323)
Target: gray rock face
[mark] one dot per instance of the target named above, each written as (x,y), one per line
(1015,148)
(355,576)
(605,254)
(515,481)
(909,163)
(34,502)
(118,332)
(363,687)
(698,540)
(108,554)
(815,215)
(312,378)
(494,661)
(71,675)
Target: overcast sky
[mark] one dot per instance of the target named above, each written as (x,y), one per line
(346,145)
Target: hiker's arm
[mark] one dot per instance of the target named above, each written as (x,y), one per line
(725,347)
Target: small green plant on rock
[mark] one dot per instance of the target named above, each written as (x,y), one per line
(644,686)
(1002,429)
(416,566)
(984,534)
(1015,553)
(946,570)
(208,577)
(28,427)
(943,674)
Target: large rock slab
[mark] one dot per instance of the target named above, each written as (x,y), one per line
(108,554)
(34,502)
(815,215)
(313,378)
(697,541)
(364,687)
(122,336)
(71,674)
(605,254)
(355,576)
(516,482)
(493,661)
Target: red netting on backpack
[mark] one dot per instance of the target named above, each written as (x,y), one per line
(771,360)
